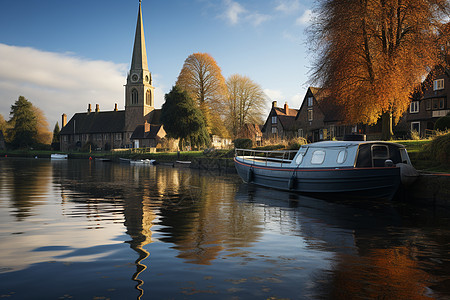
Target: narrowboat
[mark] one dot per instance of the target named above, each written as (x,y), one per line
(368,169)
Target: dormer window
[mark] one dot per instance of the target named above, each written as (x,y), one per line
(310,101)
(438,84)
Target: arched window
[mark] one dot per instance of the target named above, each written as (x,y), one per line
(148,98)
(134,96)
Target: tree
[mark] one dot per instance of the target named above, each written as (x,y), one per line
(23,131)
(55,139)
(43,135)
(183,120)
(202,79)
(3,124)
(245,103)
(373,53)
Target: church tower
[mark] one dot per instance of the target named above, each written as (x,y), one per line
(139,92)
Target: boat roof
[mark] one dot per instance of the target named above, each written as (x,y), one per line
(328,144)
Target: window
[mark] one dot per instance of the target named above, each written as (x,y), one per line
(310,101)
(274,130)
(300,132)
(318,157)
(134,96)
(441,103)
(274,120)
(428,104)
(332,131)
(342,156)
(117,136)
(414,107)
(355,129)
(299,158)
(310,114)
(148,97)
(415,126)
(438,84)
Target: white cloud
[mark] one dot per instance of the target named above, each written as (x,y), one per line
(274,95)
(288,7)
(58,83)
(256,18)
(233,11)
(305,18)
(297,100)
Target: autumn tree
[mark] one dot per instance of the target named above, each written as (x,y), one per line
(202,79)
(245,103)
(43,135)
(182,119)
(371,54)
(23,131)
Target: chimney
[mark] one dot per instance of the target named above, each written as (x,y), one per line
(146,126)
(286,108)
(274,103)
(63,120)
(97,108)
(89,108)
(115,106)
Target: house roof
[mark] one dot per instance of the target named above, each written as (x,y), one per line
(281,112)
(139,132)
(95,122)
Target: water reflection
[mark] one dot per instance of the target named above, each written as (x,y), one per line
(197,233)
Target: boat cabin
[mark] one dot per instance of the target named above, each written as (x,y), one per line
(334,154)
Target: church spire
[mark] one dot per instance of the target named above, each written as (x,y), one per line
(139,59)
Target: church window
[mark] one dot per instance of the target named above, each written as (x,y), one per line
(148,98)
(134,96)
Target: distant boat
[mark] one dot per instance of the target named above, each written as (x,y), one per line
(58,156)
(358,168)
(124,160)
(142,162)
(182,163)
(102,159)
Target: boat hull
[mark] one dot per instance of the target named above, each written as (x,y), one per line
(354,182)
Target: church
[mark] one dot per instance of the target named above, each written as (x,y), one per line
(136,126)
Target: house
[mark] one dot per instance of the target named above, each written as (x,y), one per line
(280,123)
(321,117)
(147,135)
(114,129)
(252,132)
(430,103)
(219,142)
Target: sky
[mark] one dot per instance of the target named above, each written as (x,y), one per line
(62,55)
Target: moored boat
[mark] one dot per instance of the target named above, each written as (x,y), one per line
(142,162)
(58,156)
(354,168)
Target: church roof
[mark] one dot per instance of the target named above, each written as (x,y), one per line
(95,122)
(139,59)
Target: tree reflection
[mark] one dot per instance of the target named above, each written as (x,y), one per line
(28,180)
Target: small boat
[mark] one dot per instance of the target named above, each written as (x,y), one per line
(182,164)
(58,156)
(367,169)
(102,159)
(124,160)
(142,162)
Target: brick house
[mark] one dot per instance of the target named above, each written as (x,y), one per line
(281,123)
(321,118)
(431,103)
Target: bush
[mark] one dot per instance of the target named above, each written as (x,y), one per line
(442,124)
(294,144)
(243,143)
(439,148)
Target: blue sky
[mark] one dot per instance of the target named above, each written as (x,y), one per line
(62,55)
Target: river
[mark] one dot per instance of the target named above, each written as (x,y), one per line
(81,229)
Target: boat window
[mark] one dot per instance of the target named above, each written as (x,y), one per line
(299,159)
(342,156)
(380,152)
(318,157)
